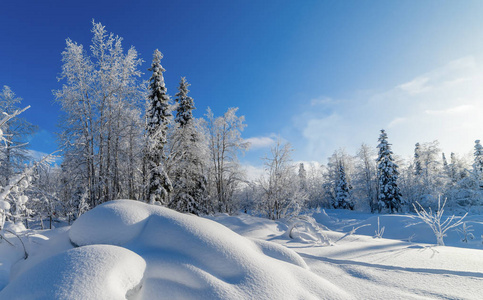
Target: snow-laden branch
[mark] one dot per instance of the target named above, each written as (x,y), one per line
(434,220)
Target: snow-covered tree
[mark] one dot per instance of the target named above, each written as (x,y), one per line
(224,144)
(332,175)
(343,191)
(478,161)
(100,100)
(184,112)
(302,177)
(281,195)
(418,169)
(365,177)
(387,169)
(157,116)
(13,152)
(188,158)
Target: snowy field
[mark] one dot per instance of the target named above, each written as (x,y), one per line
(131,250)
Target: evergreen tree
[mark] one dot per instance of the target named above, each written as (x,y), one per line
(302,177)
(185,104)
(188,157)
(342,191)
(446,166)
(389,194)
(159,184)
(478,158)
(453,168)
(417,160)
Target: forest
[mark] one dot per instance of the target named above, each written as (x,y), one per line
(122,136)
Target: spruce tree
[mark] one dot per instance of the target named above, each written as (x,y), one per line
(157,119)
(478,158)
(189,181)
(185,104)
(417,160)
(342,190)
(453,168)
(302,177)
(389,194)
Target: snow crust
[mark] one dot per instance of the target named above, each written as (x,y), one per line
(189,257)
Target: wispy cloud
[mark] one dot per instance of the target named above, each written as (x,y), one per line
(260,142)
(322,101)
(451,110)
(444,104)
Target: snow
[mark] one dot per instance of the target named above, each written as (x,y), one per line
(198,258)
(90,272)
(371,268)
(125,249)
(4,205)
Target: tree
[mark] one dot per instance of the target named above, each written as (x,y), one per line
(418,169)
(13,153)
(302,177)
(100,100)
(188,158)
(184,113)
(342,191)
(332,175)
(478,162)
(389,194)
(224,144)
(281,197)
(157,116)
(365,177)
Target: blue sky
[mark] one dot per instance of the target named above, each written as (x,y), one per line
(321,74)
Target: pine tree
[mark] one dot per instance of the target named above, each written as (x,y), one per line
(389,194)
(159,184)
(453,168)
(302,177)
(417,160)
(446,166)
(188,155)
(478,158)
(186,104)
(342,191)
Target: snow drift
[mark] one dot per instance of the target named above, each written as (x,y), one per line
(91,272)
(171,256)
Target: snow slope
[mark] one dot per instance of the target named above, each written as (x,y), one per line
(373,268)
(185,257)
(130,250)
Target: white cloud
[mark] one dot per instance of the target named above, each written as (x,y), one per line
(416,86)
(322,101)
(260,142)
(451,110)
(444,104)
(395,122)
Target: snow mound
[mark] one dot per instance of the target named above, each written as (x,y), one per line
(189,257)
(90,272)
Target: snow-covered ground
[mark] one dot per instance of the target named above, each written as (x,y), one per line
(130,250)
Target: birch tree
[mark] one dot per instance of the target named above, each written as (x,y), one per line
(224,144)
(100,101)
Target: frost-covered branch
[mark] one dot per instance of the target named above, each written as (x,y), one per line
(434,220)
